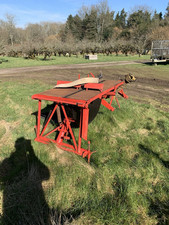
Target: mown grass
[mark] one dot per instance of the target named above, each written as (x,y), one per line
(56,60)
(125,183)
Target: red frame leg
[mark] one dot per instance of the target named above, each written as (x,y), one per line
(65,132)
(39,116)
(107,105)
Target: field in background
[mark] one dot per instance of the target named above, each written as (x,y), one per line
(56,60)
(127,180)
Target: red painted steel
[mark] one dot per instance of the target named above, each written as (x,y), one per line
(81,98)
(63,82)
(92,74)
(85,120)
(121,92)
(49,119)
(39,116)
(107,105)
(94,86)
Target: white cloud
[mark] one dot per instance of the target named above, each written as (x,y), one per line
(25,16)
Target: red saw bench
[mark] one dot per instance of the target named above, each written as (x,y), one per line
(75,107)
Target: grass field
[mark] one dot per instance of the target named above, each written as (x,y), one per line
(56,60)
(126,182)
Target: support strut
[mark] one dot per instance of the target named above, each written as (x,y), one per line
(65,132)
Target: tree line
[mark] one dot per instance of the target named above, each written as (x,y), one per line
(94,29)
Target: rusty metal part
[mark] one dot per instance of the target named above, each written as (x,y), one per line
(59,118)
(129,78)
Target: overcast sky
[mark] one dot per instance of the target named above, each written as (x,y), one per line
(35,11)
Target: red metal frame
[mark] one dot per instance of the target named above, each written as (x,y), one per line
(64,129)
(65,132)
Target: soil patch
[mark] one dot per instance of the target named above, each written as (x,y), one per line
(148,88)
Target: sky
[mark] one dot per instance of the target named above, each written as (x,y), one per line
(35,11)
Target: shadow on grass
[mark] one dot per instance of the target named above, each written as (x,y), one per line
(158,207)
(154,155)
(24,203)
(21,177)
(61,217)
(46,60)
(3,60)
(155,64)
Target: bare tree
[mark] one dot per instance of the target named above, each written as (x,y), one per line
(11,29)
(8,30)
(34,33)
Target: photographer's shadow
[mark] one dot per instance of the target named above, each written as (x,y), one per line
(21,177)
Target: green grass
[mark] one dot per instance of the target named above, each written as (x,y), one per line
(147,70)
(125,183)
(21,62)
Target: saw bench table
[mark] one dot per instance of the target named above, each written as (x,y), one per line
(75,107)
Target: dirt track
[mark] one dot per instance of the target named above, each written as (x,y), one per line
(61,67)
(148,87)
